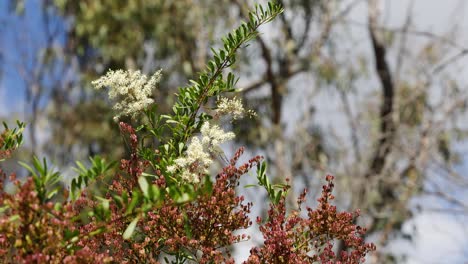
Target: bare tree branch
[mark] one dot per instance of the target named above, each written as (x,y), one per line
(450,60)
(270,78)
(402,48)
(387,125)
(414,32)
(352,124)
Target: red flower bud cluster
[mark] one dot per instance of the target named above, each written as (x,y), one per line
(293,239)
(35,232)
(133,166)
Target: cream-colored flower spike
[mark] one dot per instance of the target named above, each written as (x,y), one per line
(233,107)
(197,159)
(214,136)
(131,89)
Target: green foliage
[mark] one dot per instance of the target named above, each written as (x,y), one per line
(109,24)
(211,82)
(275,191)
(186,118)
(412,100)
(11,139)
(99,167)
(46,180)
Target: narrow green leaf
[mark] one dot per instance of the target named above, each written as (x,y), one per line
(13,218)
(51,194)
(143,185)
(133,202)
(131,228)
(97,231)
(29,168)
(104,203)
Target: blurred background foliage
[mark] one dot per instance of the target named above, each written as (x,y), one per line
(380,107)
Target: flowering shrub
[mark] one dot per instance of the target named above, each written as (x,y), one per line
(162,204)
(34,229)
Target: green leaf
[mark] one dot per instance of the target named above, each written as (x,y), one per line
(27,167)
(144,186)
(181,147)
(85,176)
(13,218)
(207,186)
(104,203)
(135,200)
(57,206)
(3,209)
(45,180)
(51,194)
(97,231)
(68,234)
(118,200)
(149,175)
(131,228)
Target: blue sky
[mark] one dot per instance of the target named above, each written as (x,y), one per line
(11,84)
(22,39)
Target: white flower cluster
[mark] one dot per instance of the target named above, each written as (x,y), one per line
(131,89)
(214,136)
(197,159)
(233,107)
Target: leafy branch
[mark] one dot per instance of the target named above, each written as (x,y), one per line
(211,81)
(46,180)
(275,191)
(98,167)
